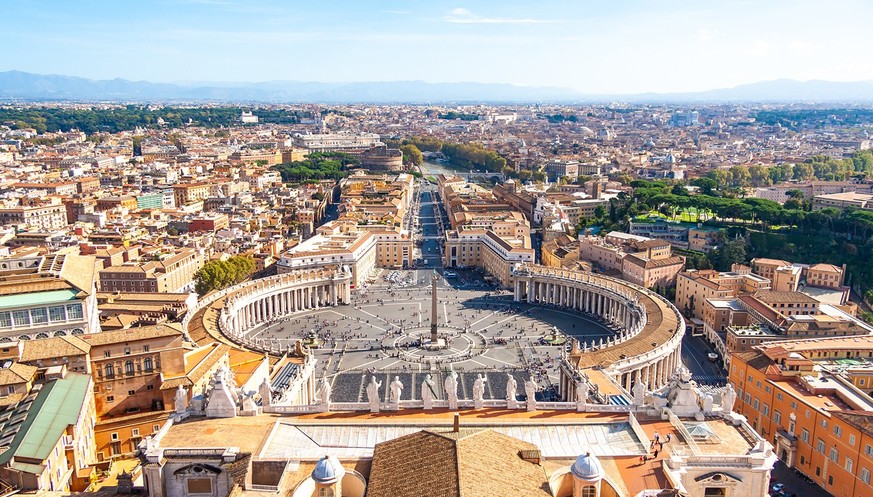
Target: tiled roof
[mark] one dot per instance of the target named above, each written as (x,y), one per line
(17,373)
(445,463)
(134,334)
(57,347)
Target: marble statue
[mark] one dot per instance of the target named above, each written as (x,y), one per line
(451,385)
(479,391)
(479,387)
(427,392)
(728,398)
(395,390)
(266,392)
(707,403)
(639,392)
(530,389)
(582,391)
(373,394)
(181,400)
(511,391)
(324,394)
(682,394)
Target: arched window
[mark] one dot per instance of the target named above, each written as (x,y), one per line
(325,492)
(110,371)
(128,367)
(147,364)
(589,491)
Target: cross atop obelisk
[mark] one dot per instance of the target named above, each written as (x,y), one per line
(433,308)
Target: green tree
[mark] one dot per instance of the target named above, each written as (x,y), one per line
(728,253)
(215,275)
(411,154)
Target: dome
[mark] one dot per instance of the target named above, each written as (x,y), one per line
(587,468)
(328,470)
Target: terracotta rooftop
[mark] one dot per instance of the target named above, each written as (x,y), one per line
(445,463)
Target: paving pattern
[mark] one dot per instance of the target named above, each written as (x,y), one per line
(485,330)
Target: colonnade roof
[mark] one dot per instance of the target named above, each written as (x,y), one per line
(661,324)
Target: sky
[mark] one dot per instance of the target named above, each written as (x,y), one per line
(595,46)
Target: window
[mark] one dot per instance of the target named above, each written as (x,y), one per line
(134,432)
(849,464)
(131,392)
(868,450)
(110,371)
(156,428)
(39,316)
(824,423)
(57,313)
(777,417)
(21,318)
(128,367)
(328,492)
(834,455)
(838,431)
(830,479)
(793,404)
(865,475)
(756,404)
(74,311)
(804,435)
(106,353)
(5,320)
(110,398)
(10,390)
(147,364)
(820,446)
(765,410)
(145,348)
(852,440)
(589,491)
(113,436)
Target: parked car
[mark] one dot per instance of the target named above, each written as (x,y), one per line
(778,487)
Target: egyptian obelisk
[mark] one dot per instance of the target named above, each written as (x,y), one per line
(433,310)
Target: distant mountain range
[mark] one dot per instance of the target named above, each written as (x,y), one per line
(17,85)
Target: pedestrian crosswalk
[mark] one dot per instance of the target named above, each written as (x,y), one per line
(709,379)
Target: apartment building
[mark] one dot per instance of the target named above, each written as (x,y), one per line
(361,248)
(470,247)
(797,395)
(171,273)
(190,193)
(48,217)
(640,260)
(694,287)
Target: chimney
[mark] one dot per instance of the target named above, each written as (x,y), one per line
(456,427)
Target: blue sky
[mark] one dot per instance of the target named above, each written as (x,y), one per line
(602,46)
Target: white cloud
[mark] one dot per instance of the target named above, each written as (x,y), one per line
(464,16)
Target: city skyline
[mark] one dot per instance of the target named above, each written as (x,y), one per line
(631,47)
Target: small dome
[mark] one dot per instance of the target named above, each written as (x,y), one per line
(587,468)
(328,470)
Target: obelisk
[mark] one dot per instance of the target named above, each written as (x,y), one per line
(433,310)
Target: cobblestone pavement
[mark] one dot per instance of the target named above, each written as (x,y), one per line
(485,331)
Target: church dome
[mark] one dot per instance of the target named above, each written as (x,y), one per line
(328,470)
(587,468)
